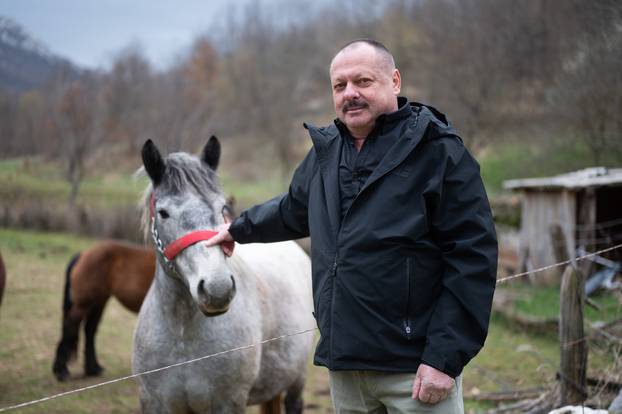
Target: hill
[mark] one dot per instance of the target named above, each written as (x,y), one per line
(25,62)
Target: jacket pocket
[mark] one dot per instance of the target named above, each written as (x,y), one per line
(410,281)
(317,296)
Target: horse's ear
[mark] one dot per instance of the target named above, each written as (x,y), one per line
(211,153)
(228,210)
(153,162)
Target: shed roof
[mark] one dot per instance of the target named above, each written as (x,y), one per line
(576,180)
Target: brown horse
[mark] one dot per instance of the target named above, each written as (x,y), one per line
(110,268)
(2,278)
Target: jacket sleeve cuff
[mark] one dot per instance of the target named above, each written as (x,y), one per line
(440,362)
(236,229)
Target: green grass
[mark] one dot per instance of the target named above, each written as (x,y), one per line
(248,193)
(30,318)
(543,302)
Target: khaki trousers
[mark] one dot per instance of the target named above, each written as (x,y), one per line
(370,392)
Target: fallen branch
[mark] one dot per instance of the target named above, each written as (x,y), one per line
(608,385)
(541,404)
(513,395)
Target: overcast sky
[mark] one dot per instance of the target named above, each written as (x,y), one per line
(91,32)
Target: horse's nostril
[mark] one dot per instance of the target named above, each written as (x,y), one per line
(233,284)
(201,288)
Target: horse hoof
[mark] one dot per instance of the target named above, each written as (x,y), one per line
(61,374)
(94,371)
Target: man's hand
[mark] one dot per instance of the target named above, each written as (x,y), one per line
(431,385)
(222,236)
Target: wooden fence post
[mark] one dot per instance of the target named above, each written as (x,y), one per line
(573,346)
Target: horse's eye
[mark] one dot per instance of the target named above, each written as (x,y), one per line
(163,213)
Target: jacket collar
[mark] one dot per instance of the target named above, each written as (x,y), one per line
(327,146)
(404,146)
(328,151)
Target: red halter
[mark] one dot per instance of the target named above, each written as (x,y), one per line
(173,249)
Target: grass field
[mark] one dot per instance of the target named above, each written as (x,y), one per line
(36,179)
(30,319)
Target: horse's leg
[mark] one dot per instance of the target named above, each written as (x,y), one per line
(293,398)
(271,407)
(68,345)
(91,366)
(151,404)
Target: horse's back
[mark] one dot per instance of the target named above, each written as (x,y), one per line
(132,273)
(117,268)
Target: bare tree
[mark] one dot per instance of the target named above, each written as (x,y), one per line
(589,97)
(129,98)
(79,115)
(8,113)
(30,122)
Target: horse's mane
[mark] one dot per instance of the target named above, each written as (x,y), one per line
(184,172)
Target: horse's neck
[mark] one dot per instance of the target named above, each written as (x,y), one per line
(173,297)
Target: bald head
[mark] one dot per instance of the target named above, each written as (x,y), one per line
(385,58)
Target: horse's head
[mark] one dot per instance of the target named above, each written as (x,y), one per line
(185,204)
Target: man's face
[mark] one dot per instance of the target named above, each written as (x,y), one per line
(364,87)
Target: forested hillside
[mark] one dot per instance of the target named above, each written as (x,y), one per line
(509,75)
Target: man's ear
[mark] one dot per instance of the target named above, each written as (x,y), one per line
(397,82)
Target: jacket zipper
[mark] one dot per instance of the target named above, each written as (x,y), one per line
(332,308)
(409,276)
(407,323)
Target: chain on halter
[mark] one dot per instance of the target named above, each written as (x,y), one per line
(159,245)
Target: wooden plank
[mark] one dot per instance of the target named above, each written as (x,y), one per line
(573,348)
(538,249)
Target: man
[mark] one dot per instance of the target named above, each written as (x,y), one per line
(403,247)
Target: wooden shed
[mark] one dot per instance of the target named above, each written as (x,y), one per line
(585,204)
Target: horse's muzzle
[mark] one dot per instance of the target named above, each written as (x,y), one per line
(215,298)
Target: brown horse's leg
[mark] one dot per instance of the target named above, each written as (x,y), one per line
(67,346)
(91,366)
(271,407)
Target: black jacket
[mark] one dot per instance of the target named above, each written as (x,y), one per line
(408,275)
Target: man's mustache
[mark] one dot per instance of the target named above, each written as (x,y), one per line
(350,105)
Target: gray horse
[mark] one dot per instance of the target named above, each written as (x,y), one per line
(202,303)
